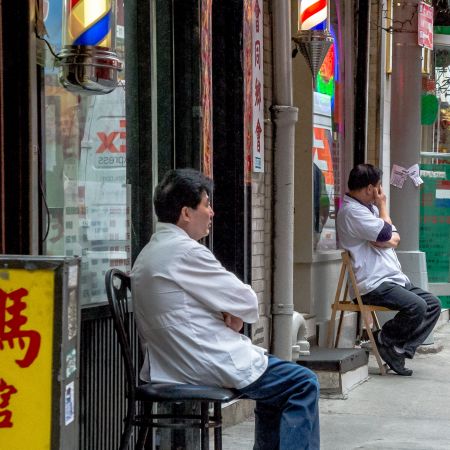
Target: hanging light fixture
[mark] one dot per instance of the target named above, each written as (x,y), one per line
(313,38)
(88,62)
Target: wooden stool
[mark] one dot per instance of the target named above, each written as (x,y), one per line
(345,304)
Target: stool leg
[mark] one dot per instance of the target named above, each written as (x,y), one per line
(204,423)
(331,326)
(335,306)
(142,438)
(125,438)
(375,320)
(365,315)
(218,426)
(145,434)
(366,318)
(338,333)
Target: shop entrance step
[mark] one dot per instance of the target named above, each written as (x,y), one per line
(339,369)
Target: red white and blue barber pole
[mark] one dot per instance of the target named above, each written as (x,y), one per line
(313,38)
(88,62)
(313,14)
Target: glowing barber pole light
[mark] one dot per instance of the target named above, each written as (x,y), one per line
(89,23)
(88,62)
(313,38)
(313,14)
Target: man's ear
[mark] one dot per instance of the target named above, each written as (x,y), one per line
(185,214)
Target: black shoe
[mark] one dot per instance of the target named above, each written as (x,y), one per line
(395,361)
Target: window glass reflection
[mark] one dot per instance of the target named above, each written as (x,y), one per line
(84,171)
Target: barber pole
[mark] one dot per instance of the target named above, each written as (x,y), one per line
(312,15)
(89,23)
(313,38)
(88,62)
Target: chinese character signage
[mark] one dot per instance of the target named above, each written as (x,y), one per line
(26,355)
(425,25)
(253,87)
(39,344)
(258,87)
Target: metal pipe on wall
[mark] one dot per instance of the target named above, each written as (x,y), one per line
(284,116)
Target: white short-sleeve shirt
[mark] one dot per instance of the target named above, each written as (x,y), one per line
(179,293)
(358,226)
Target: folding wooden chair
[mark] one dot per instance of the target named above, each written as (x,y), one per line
(343,303)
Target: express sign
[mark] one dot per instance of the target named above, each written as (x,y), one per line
(111,149)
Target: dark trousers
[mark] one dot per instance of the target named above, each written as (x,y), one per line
(418,312)
(287,410)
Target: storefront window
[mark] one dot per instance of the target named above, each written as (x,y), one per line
(84,156)
(327,142)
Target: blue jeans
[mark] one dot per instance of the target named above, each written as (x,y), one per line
(418,312)
(287,409)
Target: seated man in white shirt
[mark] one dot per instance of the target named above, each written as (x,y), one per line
(189,311)
(367,232)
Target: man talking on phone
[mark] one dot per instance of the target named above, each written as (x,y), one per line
(366,231)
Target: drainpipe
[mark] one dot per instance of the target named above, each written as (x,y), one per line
(284,116)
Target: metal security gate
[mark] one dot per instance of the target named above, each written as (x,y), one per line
(102,381)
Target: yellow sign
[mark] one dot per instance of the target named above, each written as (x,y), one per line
(26,347)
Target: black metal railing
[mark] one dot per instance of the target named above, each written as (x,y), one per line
(102,381)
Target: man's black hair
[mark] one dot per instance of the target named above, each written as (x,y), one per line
(362,176)
(179,188)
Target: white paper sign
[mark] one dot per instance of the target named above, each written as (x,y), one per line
(69,403)
(399,175)
(414,174)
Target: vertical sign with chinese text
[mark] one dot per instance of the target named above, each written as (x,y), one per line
(253,88)
(257,86)
(26,354)
(248,123)
(425,25)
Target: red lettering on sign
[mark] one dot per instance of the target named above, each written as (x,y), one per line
(258,134)
(11,321)
(258,54)
(123,135)
(258,93)
(107,142)
(257,14)
(6,391)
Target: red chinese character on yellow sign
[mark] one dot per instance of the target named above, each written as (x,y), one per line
(6,391)
(11,322)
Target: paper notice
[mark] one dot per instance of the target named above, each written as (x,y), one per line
(398,176)
(414,174)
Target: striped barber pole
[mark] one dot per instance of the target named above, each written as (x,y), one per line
(89,22)
(312,14)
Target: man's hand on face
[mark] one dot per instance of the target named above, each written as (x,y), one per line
(379,197)
(232,322)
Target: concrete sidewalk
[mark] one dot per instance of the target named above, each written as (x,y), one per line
(389,412)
